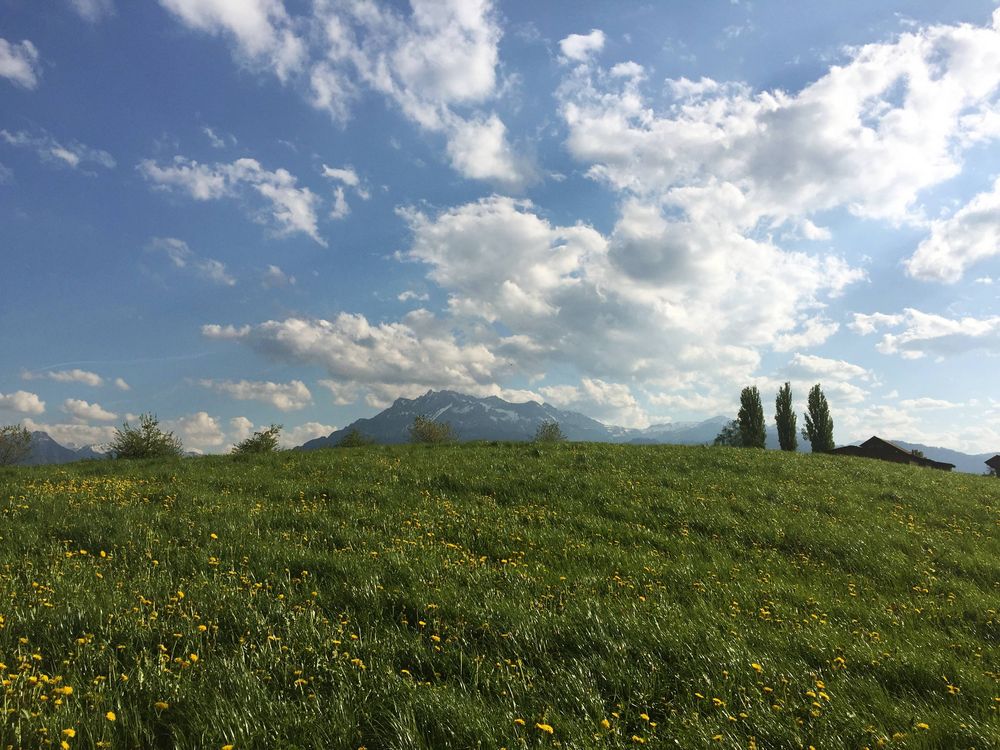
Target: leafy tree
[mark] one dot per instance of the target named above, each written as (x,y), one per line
(262,441)
(751,418)
(729,435)
(784,415)
(549,432)
(355,438)
(145,441)
(426,430)
(918,453)
(819,423)
(15,444)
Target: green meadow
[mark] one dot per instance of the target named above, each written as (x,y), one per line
(499,596)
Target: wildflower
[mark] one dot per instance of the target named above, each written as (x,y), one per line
(644,717)
(110,716)
(923,725)
(228,747)
(519,722)
(193,657)
(757,667)
(161,705)
(71,733)
(638,740)
(547,728)
(605,724)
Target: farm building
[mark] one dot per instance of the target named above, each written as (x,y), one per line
(876,447)
(994,463)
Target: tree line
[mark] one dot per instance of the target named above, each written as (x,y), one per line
(749,429)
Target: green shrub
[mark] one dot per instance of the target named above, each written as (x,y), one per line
(549,432)
(262,441)
(145,441)
(426,430)
(15,444)
(355,438)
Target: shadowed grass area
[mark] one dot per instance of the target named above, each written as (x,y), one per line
(499,595)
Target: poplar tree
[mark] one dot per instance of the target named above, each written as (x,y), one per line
(751,418)
(784,416)
(819,423)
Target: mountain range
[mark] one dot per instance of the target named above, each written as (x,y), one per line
(493,418)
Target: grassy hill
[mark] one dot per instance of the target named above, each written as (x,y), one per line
(500,595)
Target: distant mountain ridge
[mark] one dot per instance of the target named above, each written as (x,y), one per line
(45,450)
(493,418)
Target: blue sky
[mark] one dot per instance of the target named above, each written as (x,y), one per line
(233,214)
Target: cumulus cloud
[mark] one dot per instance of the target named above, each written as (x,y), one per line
(262,31)
(814,331)
(182,256)
(121,385)
(73,154)
(296,436)
(580,47)
(610,402)
(284,396)
(927,403)
(415,354)
(19,63)
(83,411)
(437,63)
(199,431)
(290,209)
(921,334)
(821,367)
(870,134)
(22,402)
(969,236)
(240,428)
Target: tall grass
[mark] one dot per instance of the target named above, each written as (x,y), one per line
(499,595)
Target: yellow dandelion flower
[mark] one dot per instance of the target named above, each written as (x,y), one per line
(110,716)
(644,717)
(161,705)
(228,747)
(547,728)
(638,740)
(519,722)
(64,745)
(757,667)
(923,725)
(193,657)
(605,724)
(71,733)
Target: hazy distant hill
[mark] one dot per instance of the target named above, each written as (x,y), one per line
(45,450)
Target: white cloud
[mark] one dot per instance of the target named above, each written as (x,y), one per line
(340,208)
(870,134)
(610,402)
(93,10)
(19,63)
(292,209)
(74,435)
(284,396)
(199,431)
(966,238)
(437,63)
(218,140)
(274,278)
(75,375)
(262,29)
(815,331)
(296,436)
(417,353)
(240,428)
(409,294)
(182,256)
(580,47)
(927,403)
(808,365)
(84,411)
(121,385)
(22,402)
(346,175)
(926,333)
(50,150)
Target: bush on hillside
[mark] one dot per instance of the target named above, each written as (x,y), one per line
(355,438)
(730,435)
(549,432)
(262,441)
(426,430)
(145,441)
(15,444)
